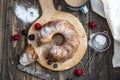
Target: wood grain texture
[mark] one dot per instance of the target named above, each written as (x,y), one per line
(2,36)
(101,69)
(49,13)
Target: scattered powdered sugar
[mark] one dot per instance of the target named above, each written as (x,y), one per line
(26,59)
(27,15)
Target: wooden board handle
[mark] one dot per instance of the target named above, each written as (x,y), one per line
(47,6)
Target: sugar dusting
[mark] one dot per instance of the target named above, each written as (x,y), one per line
(101,39)
(99,42)
(26,59)
(27,15)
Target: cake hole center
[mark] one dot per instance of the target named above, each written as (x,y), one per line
(58,39)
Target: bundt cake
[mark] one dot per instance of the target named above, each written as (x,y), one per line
(62,38)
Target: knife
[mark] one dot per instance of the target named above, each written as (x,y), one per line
(36,73)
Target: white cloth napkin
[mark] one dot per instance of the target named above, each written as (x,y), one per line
(110,9)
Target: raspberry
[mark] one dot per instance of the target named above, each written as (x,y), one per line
(16,37)
(92,24)
(79,72)
(38,26)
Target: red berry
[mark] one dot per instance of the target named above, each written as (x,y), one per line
(38,26)
(16,37)
(92,24)
(79,72)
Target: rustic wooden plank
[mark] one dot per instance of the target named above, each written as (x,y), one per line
(101,69)
(20,75)
(15,28)
(4,68)
(114,72)
(2,25)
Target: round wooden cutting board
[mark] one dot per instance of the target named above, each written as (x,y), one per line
(50,14)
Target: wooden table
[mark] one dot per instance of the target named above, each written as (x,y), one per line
(101,69)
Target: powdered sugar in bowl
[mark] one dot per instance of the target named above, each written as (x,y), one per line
(100,41)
